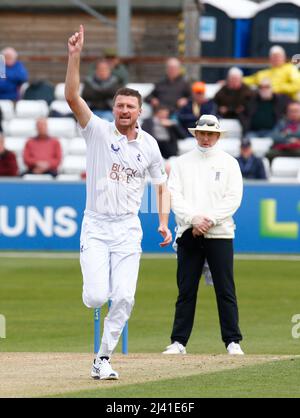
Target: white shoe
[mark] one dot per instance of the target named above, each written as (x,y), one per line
(175,348)
(234,349)
(102,370)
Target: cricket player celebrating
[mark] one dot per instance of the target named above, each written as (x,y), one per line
(118,156)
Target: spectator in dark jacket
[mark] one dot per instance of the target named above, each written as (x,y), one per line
(166,131)
(16,75)
(251,167)
(117,68)
(286,134)
(265,110)
(40,90)
(234,97)
(197,106)
(99,90)
(8,161)
(173,91)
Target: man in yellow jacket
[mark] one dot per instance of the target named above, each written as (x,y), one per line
(284,76)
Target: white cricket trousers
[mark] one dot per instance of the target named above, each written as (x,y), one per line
(110,253)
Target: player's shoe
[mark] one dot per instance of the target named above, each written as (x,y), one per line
(175,348)
(234,349)
(102,370)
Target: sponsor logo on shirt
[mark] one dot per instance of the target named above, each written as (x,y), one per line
(123,174)
(115,148)
(139,158)
(218,175)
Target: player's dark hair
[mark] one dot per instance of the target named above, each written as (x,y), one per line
(125,91)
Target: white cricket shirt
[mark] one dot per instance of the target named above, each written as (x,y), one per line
(208,184)
(116,169)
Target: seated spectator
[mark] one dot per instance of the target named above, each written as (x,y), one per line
(8,161)
(173,91)
(16,75)
(117,68)
(284,76)
(42,154)
(286,134)
(251,167)
(266,108)
(165,130)
(99,90)
(40,90)
(233,98)
(197,106)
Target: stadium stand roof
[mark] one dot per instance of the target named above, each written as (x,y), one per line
(98,4)
(269,3)
(237,9)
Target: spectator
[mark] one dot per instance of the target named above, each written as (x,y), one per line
(8,161)
(166,131)
(197,106)
(173,91)
(99,90)
(286,134)
(234,97)
(16,75)
(265,110)
(117,68)
(42,154)
(251,167)
(39,90)
(284,76)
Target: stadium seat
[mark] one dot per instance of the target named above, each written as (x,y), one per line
(20,128)
(7,107)
(267,166)
(68,177)
(143,88)
(185,145)
(59,92)
(73,164)
(62,127)
(232,126)
(21,165)
(212,89)
(32,109)
(65,144)
(146,112)
(61,107)
(15,144)
(230,145)
(285,167)
(261,146)
(37,177)
(77,146)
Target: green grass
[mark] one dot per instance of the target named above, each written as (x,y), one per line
(41,300)
(274,380)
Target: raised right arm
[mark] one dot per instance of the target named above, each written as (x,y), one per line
(79,107)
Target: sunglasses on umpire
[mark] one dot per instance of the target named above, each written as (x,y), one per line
(207,122)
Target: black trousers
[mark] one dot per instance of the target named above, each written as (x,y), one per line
(191,254)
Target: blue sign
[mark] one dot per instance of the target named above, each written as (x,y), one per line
(47,216)
(208,29)
(284,30)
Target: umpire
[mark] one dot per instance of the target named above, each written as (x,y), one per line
(206,190)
